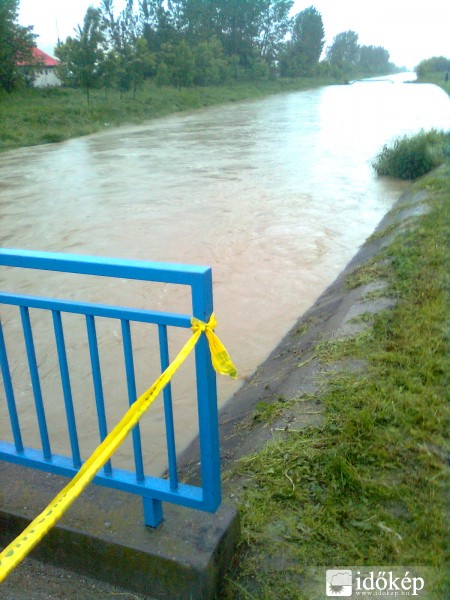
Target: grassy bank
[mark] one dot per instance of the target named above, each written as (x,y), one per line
(437,79)
(368,485)
(42,116)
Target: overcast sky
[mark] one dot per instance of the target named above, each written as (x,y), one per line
(411,30)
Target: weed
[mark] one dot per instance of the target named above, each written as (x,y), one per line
(265,412)
(410,157)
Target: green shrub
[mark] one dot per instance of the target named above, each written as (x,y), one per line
(435,64)
(410,157)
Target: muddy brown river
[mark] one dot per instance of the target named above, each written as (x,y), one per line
(275,194)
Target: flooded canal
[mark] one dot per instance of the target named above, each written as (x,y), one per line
(276,195)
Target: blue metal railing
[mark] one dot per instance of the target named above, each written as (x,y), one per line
(154,490)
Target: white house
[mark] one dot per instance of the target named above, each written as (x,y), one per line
(43,69)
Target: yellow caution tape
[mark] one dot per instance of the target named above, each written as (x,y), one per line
(219,356)
(13,554)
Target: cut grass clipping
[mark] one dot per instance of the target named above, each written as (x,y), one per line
(368,486)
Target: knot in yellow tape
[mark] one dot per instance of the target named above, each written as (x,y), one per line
(220,358)
(197,325)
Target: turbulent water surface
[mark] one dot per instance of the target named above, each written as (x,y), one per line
(275,194)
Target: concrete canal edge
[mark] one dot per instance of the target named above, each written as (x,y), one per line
(292,369)
(102,534)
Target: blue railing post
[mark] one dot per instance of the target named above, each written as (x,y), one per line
(153,513)
(202,305)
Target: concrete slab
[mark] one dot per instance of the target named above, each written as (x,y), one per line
(103,536)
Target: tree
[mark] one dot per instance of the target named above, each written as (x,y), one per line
(83,56)
(234,22)
(135,63)
(373,60)
(273,27)
(249,29)
(305,47)
(162,74)
(210,66)
(199,20)
(16,45)
(159,22)
(180,63)
(109,70)
(119,32)
(128,49)
(343,54)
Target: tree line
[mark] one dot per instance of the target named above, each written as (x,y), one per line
(205,42)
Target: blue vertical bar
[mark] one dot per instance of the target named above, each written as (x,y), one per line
(202,304)
(67,391)
(152,511)
(98,387)
(168,410)
(131,385)
(32,363)
(9,391)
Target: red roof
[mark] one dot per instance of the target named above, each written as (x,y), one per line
(42,58)
(45,58)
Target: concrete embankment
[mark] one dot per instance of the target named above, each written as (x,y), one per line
(293,369)
(102,538)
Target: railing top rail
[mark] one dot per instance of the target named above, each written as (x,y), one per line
(108,267)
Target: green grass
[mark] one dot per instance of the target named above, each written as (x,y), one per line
(437,79)
(373,270)
(368,486)
(410,157)
(42,116)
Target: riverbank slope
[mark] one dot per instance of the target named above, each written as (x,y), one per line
(436,79)
(43,116)
(336,447)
